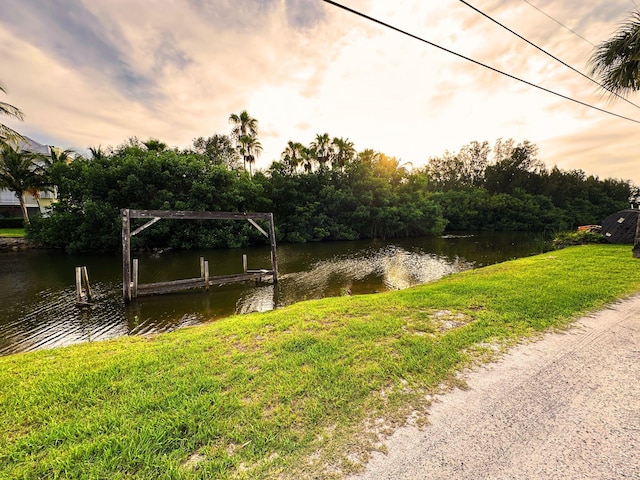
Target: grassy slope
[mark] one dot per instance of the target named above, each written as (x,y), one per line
(281,393)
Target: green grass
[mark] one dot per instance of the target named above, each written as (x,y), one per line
(302,392)
(12,232)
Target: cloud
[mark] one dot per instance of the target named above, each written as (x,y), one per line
(305,14)
(73,35)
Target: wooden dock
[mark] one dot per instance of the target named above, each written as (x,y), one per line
(193,283)
(131,288)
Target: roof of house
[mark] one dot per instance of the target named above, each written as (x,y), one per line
(31,145)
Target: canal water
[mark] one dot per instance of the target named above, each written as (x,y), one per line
(37,287)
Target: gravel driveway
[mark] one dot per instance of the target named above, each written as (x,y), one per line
(564,407)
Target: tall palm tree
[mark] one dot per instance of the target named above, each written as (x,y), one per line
(308,156)
(250,147)
(6,133)
(243,124)
(292,156)
(616,62)
(344,152)
(20,172)
(244,127)
(323,148)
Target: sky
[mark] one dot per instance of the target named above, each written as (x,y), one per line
(97,72)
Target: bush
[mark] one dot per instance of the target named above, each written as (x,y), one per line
(566,239)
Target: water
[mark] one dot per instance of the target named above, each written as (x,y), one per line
(37,287)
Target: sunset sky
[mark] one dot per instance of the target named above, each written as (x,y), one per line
(100,71)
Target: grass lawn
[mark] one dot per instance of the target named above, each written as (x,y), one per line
(12,232)
(301,392)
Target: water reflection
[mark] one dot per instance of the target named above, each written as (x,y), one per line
(37,293)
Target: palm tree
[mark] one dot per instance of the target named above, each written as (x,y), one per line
(20,172)
(153,144)
(243,124)
(308,155)
(323,148)
(616,62)
(344,152)
(292,156)
(248,146)
(244,127)
(6,133)
(97,153)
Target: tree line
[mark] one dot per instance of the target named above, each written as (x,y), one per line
(324,191)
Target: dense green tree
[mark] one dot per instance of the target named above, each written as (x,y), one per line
(372,196)
(515,167)
(219,150)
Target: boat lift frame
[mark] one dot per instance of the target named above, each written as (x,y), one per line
(132,289)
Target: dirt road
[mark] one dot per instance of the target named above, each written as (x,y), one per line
(564,407)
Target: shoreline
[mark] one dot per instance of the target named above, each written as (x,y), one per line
(14,244)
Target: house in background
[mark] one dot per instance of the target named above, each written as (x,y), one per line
(9,204)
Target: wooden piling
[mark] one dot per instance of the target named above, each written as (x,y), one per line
(206,274)
(136,274)
(85,277)
(126,255)
(83,289)
(274,256)
(244,262)
(79,285)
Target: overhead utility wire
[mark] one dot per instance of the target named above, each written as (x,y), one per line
(549,54)
(558,22)
(415,37)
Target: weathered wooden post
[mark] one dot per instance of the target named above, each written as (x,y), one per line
(83,289)
(136,274)
(85,278)
(78,284)
(201,267)
(244,263)
(126,255)
(206,274)
(274,258)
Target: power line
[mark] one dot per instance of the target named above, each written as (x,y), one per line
(549,54)
(415,37)
(558,22)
